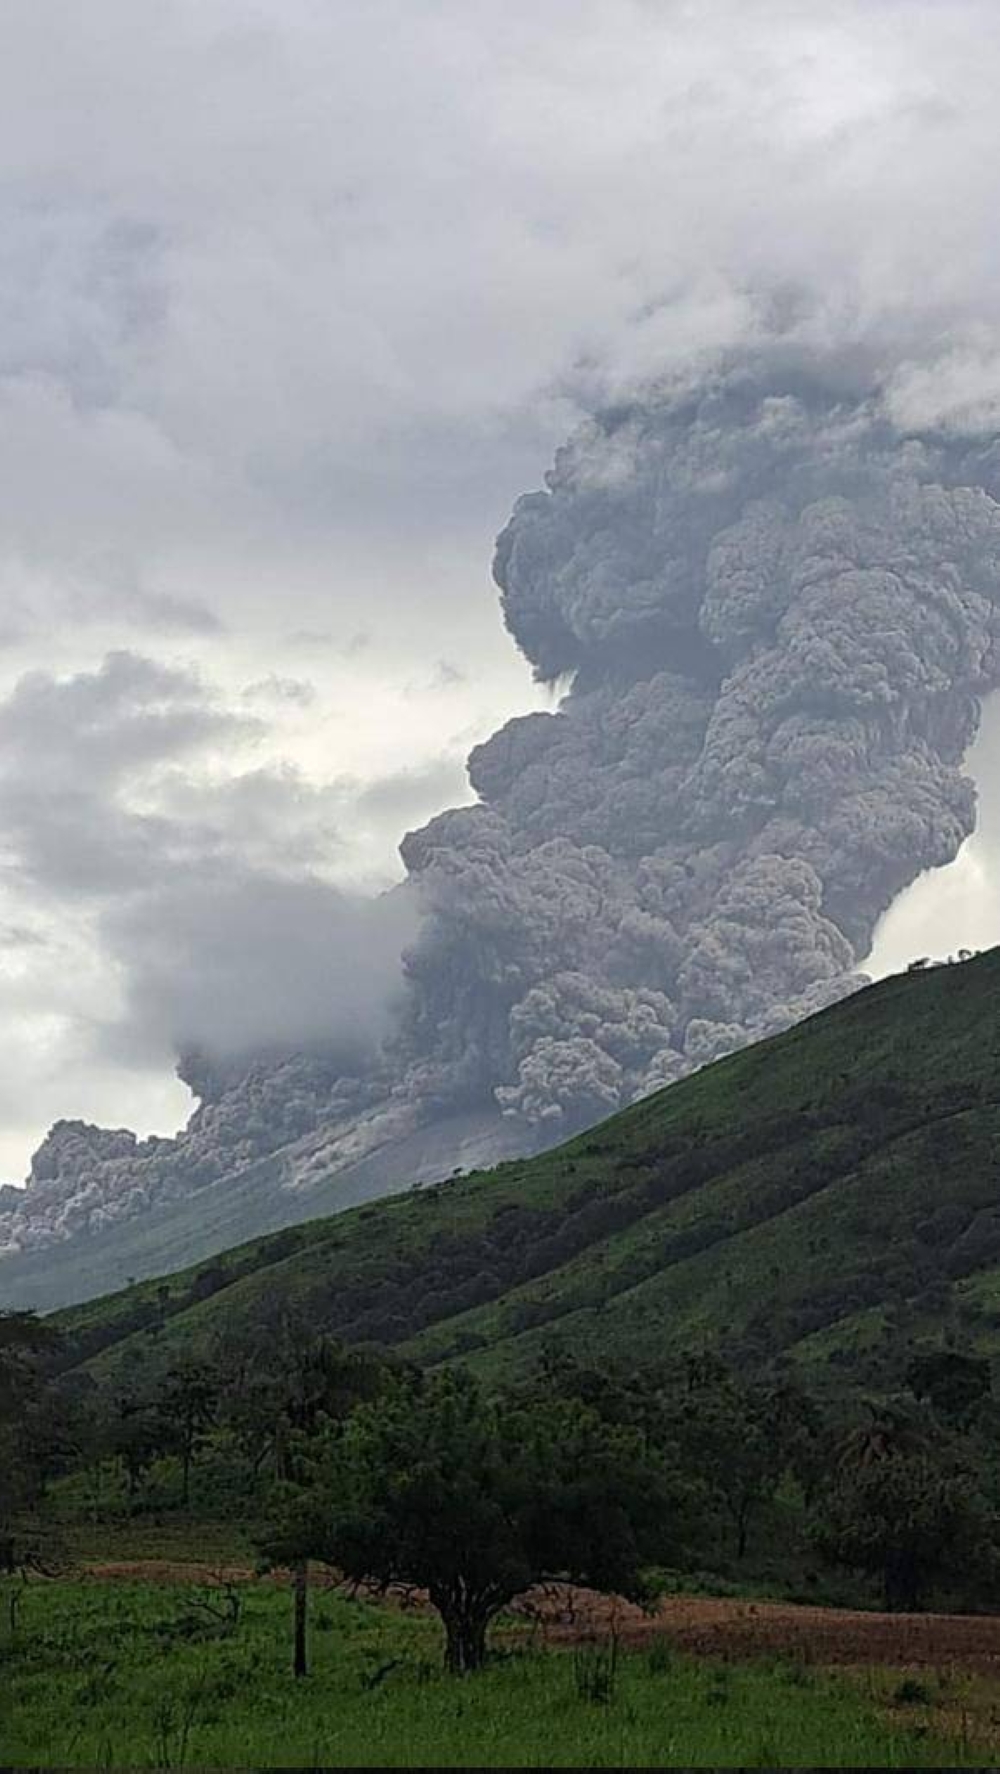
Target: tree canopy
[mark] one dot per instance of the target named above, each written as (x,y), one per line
(474,1498)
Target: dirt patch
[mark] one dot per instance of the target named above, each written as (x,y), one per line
(737,1630)
(166,1570)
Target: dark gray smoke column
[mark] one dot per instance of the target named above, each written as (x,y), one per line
(777,614)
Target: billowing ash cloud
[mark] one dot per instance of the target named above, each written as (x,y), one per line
(777,609)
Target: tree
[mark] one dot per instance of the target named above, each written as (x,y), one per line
(282,1382)
(901,1509)
(25,1432)
(25,1340)
(187,1406)
(24,1337)
(738,1439)
(137,1435)
(313,1384)
(955,1384)
(475,1499)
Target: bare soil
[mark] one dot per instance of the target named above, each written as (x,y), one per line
(707,1626)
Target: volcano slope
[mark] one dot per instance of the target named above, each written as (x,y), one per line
(795,1197)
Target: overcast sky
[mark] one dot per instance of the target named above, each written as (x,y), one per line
(295,297)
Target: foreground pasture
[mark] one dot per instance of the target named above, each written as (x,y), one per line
(136,1674)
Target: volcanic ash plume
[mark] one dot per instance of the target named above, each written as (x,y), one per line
(777,614)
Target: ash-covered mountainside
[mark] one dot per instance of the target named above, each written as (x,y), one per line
(775,614)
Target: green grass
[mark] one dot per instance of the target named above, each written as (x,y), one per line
(124,1675)
(778,1200)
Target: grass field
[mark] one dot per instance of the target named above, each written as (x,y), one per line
(140,1675)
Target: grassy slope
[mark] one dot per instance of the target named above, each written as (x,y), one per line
(774,1198)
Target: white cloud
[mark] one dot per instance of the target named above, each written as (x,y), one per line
(955,907)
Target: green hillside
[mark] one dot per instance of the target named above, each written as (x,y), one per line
(796,1197)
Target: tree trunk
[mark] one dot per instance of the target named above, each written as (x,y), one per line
(742,1533)
(97,1490)
(465,1635)
(300,1587)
